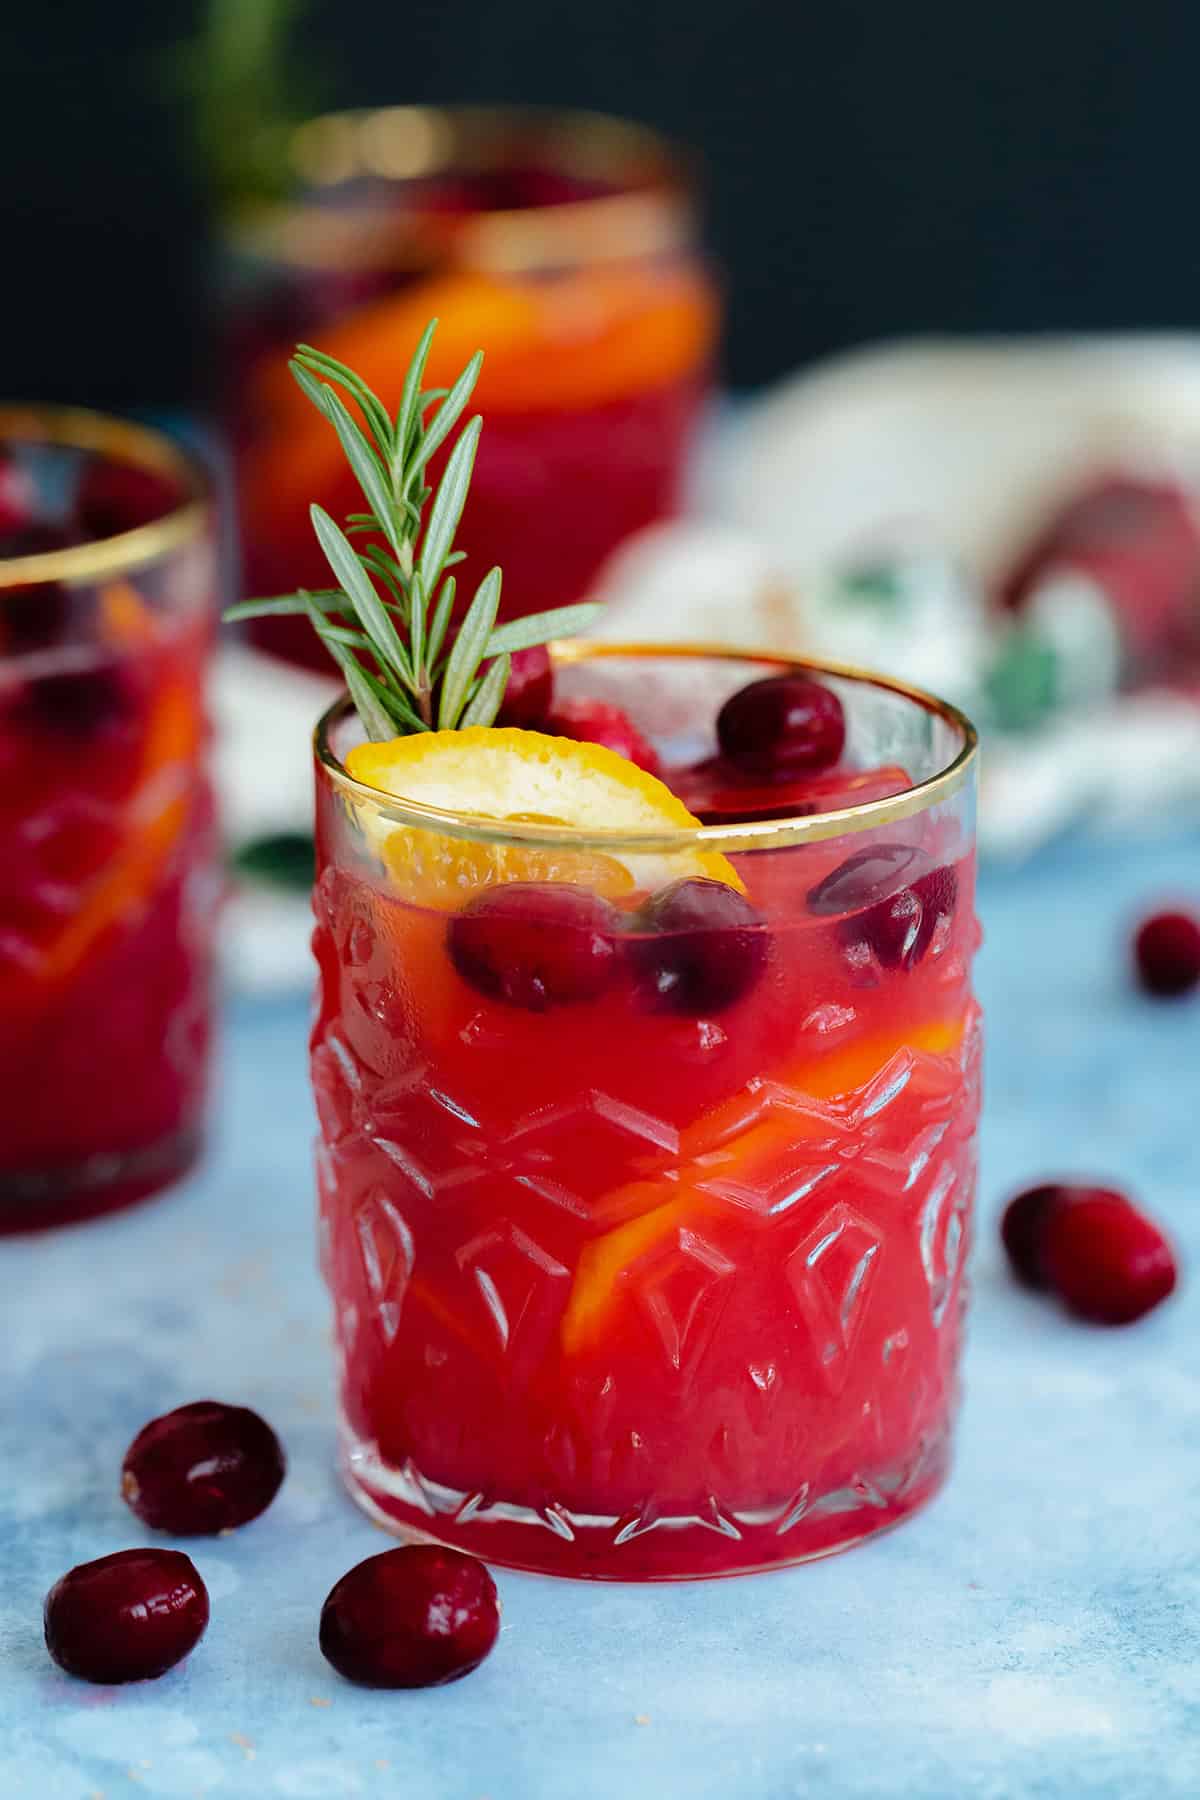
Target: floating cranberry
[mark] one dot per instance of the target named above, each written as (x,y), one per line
(1104,1258)
(1022,1229)
(127,1617)
(18,497)
(596,722)
(782,726)
(416,1617)
(894,898)
(536,946)
(117,496)
(704,947)
(1167,954)
(530,691)
(203,1468)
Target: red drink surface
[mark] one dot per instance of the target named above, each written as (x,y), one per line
(106,901)
(627,1294)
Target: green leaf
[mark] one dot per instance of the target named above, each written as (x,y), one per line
(407,717)
(367,472)
(441,618)
(485,703)
(448,505)
(373,410)
(539,628)
(416,626)
(377,721)
(468,650)
(284,859)
(385,640)
(345,634)
(308,384)
(387,572)
(283,606)
(408,414)
(445,419)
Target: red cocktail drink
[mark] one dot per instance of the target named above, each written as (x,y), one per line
(566,245)
(107,872)
(644,1210)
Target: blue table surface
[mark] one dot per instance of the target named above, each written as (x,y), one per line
(1033,1633)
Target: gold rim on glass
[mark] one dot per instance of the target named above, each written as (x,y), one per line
(651,213)
(78,429)
(764,834)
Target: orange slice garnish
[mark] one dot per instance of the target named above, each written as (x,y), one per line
(508,776)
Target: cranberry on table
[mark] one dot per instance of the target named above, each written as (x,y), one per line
(1022,1230)
(1166,953)
(127,1617)
(536,945)
(782,726)
(415,1617)
(704,946)
(203,1468)
(892,897)
(530,691)
(596,722)
(1106,1260)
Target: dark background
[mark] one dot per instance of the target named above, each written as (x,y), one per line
(875,169)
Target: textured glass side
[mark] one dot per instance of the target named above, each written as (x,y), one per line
(627,1295)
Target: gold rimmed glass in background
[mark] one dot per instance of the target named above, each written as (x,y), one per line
(108,868)
(563,244)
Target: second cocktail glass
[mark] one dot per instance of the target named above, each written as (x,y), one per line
(109,875)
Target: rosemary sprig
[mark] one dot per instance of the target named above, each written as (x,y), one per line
(387,621)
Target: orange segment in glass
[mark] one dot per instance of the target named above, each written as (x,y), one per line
(157,812)
(746,1157)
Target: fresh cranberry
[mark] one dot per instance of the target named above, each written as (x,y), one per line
(893,897)
(1106,1260)
(203,1468)
(530,691)
(117,496)
(1166,953)
(1023,1230)
(536,946)
(18,496)
(416,1617)
(781,726)
(704,947)
(127,1617)
(596,722)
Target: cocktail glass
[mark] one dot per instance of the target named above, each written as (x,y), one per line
(637,1289)
(564,242)
(108,872)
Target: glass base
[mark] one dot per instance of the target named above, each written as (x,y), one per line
(646,1546)
(41,1199)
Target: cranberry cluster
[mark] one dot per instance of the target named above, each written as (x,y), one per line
(413,1617)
